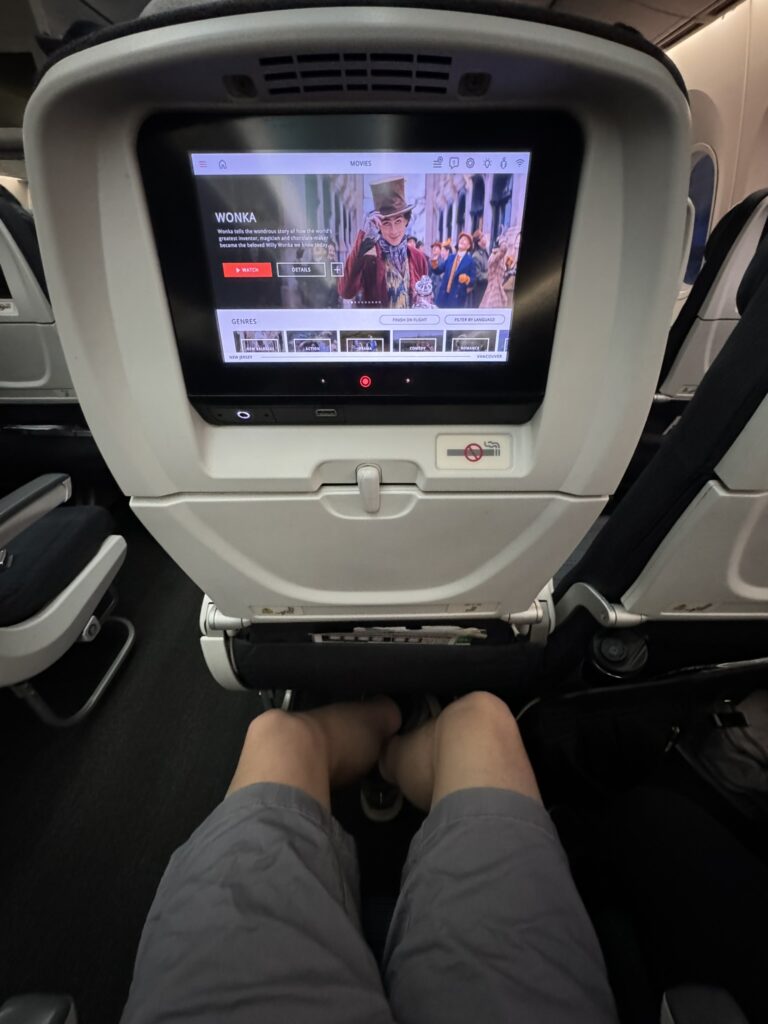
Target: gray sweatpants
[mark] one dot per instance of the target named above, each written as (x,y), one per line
(256,921)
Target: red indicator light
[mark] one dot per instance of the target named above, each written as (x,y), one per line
(365,381)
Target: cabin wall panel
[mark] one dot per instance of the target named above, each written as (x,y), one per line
(752,168)
(713,63)
(725,67)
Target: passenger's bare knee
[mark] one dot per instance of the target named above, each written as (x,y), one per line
(478,744)
(481,710)
(267,722)
(480,717)
(284,748)
(481,702)
(285,731)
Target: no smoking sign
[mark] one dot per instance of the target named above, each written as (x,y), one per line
(474,452)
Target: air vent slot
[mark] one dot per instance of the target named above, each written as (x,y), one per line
(321,73)
(392,58)
(317,58)
(309,73)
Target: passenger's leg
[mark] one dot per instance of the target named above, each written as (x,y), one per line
(256,918)
(318,750)
(489,925)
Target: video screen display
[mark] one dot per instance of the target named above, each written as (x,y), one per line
(362,257)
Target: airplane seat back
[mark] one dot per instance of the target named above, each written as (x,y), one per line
(32,366)
(310,436)
(688,541)
(709,314)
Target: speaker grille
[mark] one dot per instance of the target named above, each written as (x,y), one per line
(356,72)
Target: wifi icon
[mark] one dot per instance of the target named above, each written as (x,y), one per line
(520,162)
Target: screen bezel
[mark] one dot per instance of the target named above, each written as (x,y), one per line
(555,141)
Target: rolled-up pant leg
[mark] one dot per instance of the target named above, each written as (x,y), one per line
(489,926)
(256,921)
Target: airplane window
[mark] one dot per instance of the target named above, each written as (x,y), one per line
(701,191)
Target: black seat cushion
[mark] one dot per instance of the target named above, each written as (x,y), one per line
(47,556)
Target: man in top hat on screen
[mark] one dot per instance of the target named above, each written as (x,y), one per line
(382,269)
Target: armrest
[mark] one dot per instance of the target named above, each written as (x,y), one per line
(699,1004)
(38,1009)
(26,504)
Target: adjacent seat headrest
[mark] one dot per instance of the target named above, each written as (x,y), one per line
(721,241)
(754,275)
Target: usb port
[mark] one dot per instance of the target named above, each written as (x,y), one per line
(326,414)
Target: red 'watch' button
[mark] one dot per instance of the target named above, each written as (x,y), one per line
(365,381)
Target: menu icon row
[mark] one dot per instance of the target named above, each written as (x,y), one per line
(371,342)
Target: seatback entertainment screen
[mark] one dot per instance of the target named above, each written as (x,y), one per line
(351,262)
(362,257)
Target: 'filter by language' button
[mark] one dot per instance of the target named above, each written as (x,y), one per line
(247,269)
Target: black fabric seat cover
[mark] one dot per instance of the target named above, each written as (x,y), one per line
(726,399)
(46,558)
(21,226)
(754,276)
(718,246)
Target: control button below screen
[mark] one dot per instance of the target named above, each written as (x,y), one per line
(365,381)
(237,415)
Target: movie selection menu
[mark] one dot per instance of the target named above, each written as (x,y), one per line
(369,343)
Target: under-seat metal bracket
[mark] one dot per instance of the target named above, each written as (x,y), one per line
(608,614)
(538,621)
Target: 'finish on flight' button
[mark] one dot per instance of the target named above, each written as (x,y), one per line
(247,269)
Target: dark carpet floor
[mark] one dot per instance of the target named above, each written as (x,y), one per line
(90,816)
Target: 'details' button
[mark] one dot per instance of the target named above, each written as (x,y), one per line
(365,381)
